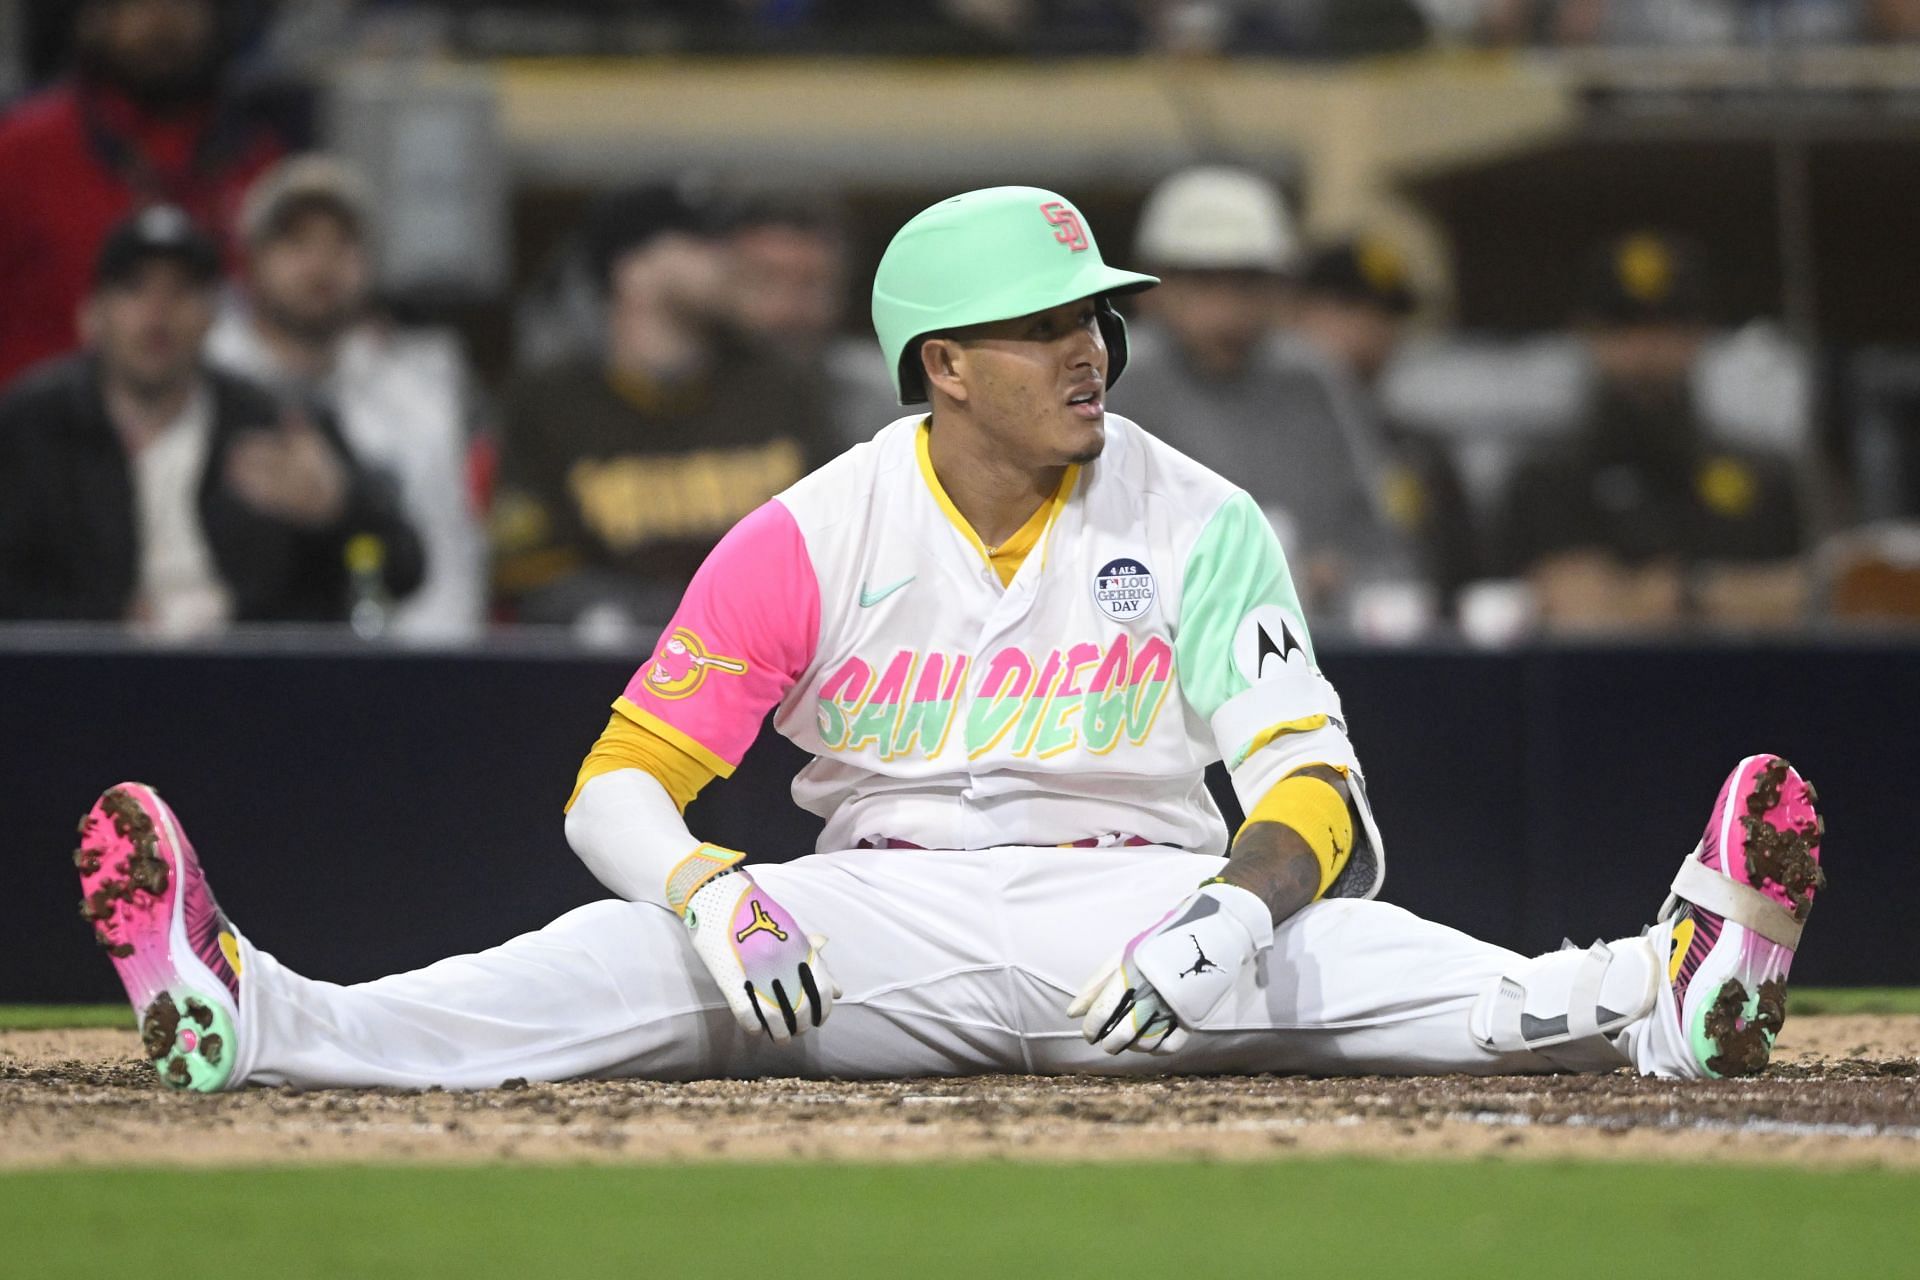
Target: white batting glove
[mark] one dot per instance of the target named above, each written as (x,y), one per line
(768,969)
(1173,975)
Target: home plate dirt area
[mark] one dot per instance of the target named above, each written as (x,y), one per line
(1843,1089)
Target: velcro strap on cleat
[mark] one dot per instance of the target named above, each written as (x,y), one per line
(1745,905)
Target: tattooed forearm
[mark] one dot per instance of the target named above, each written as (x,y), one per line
(1276,863)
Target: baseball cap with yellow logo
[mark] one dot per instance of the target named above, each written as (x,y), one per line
(1366,269)
(1646,277)
(1727,486)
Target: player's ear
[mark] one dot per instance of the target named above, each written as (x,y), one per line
(942,362)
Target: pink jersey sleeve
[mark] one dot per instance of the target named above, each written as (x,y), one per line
(744,632)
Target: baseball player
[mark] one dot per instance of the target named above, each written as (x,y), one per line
(1011,632)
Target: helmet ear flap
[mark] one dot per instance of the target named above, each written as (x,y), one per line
(1113,331)
(913,384)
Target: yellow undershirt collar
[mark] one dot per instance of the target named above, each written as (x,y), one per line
(1006,558)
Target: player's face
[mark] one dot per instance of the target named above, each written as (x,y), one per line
(1036,384)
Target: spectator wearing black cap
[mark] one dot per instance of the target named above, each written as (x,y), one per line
(1640,518)
(137,486)
(620,470)
(1353,302)
(1347,319)
(305,328)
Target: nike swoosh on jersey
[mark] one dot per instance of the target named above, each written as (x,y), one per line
(868,599)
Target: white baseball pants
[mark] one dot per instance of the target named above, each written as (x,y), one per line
(952,964)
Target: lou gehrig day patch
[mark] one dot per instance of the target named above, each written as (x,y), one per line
(1123,589)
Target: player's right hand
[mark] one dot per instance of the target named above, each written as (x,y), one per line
(1171,976)
(769,970)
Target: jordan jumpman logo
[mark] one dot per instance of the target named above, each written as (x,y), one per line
(762,923)
(1201,964)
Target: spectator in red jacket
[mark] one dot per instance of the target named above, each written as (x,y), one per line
(139,122)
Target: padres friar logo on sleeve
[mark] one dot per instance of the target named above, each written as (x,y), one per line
(682,664)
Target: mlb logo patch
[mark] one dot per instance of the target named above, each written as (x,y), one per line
(1123,589)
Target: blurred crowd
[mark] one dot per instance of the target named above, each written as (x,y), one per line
(1317,29)
(208,418)
(313,32)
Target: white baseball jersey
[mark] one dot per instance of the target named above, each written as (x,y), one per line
(1152,630)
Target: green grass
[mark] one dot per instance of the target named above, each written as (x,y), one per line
(1854,1000)
(48,1017)
(42,1017)
(1304,1218)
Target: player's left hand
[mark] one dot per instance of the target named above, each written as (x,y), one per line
(1169,978)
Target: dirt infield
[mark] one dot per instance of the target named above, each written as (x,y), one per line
(1842,1090)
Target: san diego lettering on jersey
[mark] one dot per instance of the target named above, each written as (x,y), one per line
(1088,695)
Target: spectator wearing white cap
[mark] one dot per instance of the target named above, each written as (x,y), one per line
(305,328)
(1213,373)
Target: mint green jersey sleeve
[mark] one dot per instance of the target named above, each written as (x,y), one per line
(1235,572)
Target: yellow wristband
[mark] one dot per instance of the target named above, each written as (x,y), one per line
(1318,813)
(694,870)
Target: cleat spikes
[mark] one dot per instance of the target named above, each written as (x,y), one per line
(1745,1043)
(98,905)
(129,819)
(159,1028)
(145,869)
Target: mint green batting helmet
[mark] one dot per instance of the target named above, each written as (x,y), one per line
(989,255)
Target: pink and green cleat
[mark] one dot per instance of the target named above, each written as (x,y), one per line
(177,956)
(1734,919)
